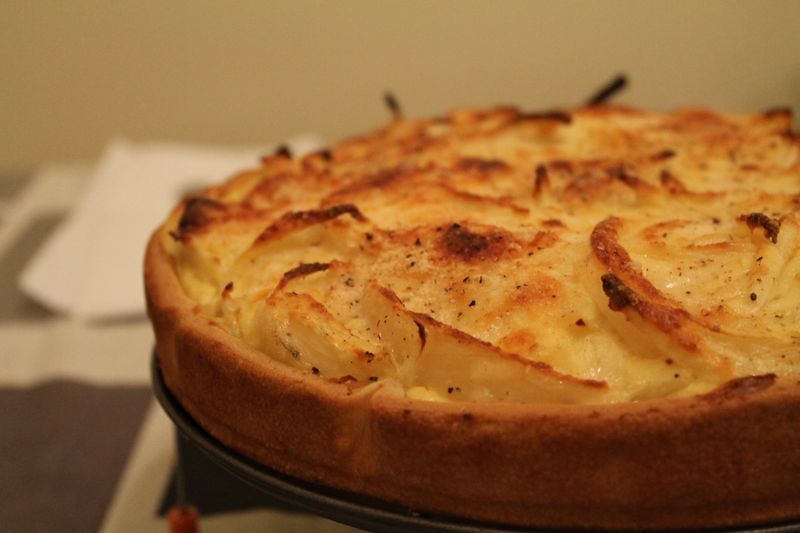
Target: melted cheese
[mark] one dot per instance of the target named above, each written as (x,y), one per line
(601,256)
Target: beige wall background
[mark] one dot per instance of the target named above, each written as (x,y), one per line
(75,73)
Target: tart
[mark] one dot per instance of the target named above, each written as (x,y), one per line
(585,318)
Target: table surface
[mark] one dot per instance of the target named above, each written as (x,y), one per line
(83,444)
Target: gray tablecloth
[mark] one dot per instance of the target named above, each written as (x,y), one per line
(83,445)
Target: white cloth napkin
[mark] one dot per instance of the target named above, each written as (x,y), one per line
(91,266)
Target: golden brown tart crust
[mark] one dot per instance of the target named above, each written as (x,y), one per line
(726,457)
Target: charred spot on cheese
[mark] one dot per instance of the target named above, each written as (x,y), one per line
(300,219)
(318,161)
(627,177)
(482,166)
(555,116)
(619,295)
(385,177)
(588,187)
(663,154)
(790,134)
(667,319)
(381,179)
(778,111)
(741,387)
(671,183)
(226,291)
(466,245)
(554,223)
(771,226)
(604,241)
(347,378)
(333,212)
(561,165)
(542,180)
(198,213)
(423,336)
(303,269)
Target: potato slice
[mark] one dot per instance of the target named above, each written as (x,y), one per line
(453,364)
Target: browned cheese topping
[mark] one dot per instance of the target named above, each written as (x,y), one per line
(599,255)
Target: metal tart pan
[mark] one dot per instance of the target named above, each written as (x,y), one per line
(340,506)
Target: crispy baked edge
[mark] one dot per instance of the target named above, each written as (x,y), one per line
(731,457)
